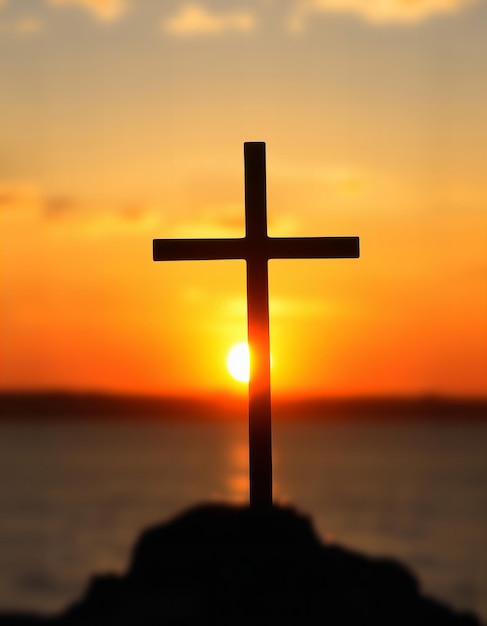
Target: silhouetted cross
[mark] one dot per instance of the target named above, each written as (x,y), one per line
(257,248)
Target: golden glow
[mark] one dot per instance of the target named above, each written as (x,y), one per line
(238,362)
(84,306)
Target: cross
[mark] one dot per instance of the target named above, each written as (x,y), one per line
(257,248)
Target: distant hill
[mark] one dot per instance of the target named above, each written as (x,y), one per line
(101,405)
(38,405)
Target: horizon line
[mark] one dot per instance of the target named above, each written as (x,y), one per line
(51,403)
(218,392)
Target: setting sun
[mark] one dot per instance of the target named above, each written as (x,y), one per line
(238,362)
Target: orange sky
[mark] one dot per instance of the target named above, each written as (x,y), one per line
(125,121)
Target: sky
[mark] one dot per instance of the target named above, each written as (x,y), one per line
(124,121)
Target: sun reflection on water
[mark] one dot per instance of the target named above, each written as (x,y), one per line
(237,481)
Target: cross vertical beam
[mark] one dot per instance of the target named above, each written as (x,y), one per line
(257,248)
(260,446)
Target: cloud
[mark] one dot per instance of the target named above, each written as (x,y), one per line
(106,10)
(90,218)
(227,221)
(25,200)
(24,203)
(58,206)
(24,26)
(193,19)
(376,11)
(339,178)
(19,197)
(28,25)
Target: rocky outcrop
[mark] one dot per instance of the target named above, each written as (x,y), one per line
(236,566)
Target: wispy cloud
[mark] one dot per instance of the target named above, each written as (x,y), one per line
(103,9)
(23,26)
(18,197)
(375,11)
(24,203)
(26,200)
(193,19)
(58,206)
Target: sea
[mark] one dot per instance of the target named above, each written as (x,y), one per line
(75,495)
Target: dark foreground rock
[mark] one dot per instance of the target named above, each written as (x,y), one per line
(234,566)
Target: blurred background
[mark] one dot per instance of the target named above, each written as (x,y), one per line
(124,121)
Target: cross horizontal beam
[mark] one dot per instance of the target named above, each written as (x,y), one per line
(257,248)
(244,248)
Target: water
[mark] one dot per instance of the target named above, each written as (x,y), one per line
(75,495)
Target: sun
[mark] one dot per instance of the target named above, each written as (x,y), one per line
(238,362)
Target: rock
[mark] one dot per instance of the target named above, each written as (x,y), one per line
(231,565)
